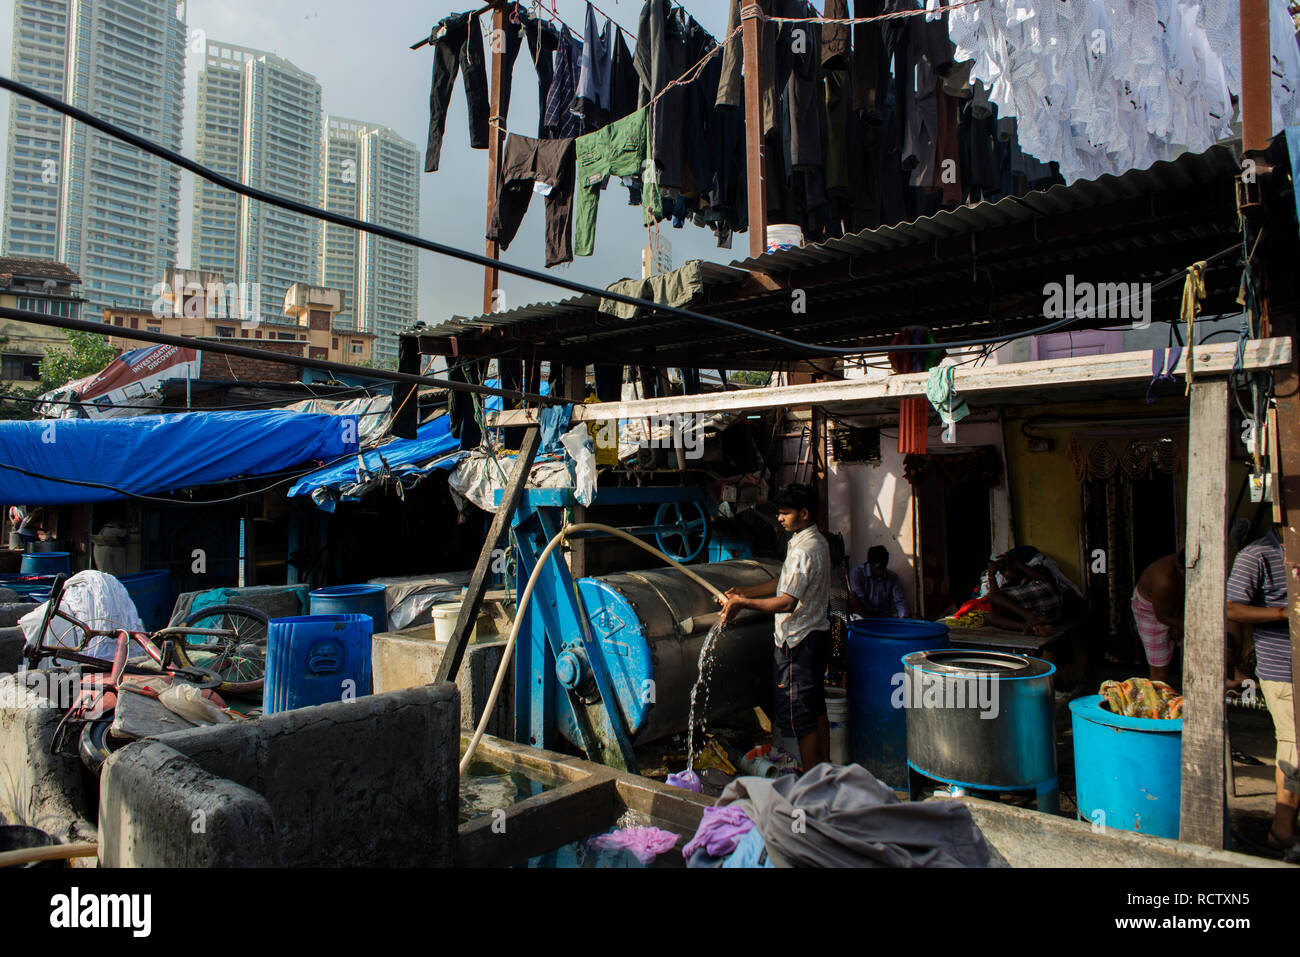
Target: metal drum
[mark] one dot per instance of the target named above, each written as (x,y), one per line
(650,626)
(982,720)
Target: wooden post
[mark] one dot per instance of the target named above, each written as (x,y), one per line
(1205,615)
(752,35)
(1256,80)
(497,536)
(499,24)
(575,388)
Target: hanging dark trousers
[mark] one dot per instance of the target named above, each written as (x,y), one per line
(458,43)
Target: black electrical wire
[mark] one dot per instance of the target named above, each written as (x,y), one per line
(453,252)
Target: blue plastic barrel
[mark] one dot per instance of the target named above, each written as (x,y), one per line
(878,729)
(26,585)
(1127,771)
(353,600)
(316,659)
(46,563)
(152,593)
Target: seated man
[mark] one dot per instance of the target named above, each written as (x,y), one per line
(1028,600)
(1158,612)
(875,591)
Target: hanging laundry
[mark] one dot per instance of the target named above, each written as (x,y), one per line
(1105,86)
(595,70)
(558,120)
(458,44)
(542,166)
(512,42)
(620,149)
(543,41)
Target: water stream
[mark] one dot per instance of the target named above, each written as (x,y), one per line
(705,665)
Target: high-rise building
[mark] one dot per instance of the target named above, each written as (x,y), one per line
(35,144)
(280,146)
(119,209)
(370,172)
(214,242)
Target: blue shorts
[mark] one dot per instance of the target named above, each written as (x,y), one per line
(799,684)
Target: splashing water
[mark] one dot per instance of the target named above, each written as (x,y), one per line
(705,666)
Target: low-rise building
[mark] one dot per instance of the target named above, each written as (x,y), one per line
(35,285)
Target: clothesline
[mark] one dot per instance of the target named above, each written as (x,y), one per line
(754,11)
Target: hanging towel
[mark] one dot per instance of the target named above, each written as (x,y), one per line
(939,390)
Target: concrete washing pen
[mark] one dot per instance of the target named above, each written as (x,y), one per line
(687,625)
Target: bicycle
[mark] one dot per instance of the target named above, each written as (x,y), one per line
(91,712)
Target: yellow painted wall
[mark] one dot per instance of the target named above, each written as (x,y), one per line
(1046,498)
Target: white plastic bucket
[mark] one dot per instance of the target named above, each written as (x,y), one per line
(784,236)
(444,622)
(837,714)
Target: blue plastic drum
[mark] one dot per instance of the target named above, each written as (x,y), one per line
(369,600)
(1127,771)
(46,563)
(317,659)
(878,729)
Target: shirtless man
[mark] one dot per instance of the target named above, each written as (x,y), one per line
(1158,611)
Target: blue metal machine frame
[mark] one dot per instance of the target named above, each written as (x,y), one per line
(556,632)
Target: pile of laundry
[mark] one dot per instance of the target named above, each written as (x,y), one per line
(832,816)
(1142,698)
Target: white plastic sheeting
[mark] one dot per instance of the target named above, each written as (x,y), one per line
(98,600)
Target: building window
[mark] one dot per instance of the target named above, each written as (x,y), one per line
(335,343)
(153,327)
(357,348)
(135,322)
(20,367)
(225,332)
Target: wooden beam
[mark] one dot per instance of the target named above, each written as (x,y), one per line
(755,162)
(490,276)
(496,538)
(989,382)
(1205,616)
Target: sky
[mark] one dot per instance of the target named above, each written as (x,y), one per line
(359,52)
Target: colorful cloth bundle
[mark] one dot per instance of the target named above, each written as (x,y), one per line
(970,615)
(1142,698)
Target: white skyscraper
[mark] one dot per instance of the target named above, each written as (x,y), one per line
(370,172)
(35,144)
(280,146)
(119,209)
(214,243)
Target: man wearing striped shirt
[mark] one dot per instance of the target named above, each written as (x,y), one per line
(1257,597)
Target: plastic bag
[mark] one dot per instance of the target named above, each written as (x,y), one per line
(188,702)
(577,443)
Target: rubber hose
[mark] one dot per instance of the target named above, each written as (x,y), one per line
(526,597)
(50,852)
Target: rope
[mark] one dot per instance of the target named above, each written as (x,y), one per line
(1193,293)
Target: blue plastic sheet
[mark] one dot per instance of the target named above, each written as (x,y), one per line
(151,454)
(432,448)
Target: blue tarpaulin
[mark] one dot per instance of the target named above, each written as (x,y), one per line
(149,454)
(432,448)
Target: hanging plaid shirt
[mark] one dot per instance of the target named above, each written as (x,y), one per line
(558,121)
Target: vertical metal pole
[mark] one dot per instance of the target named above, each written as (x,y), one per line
(496,46)
(752,35)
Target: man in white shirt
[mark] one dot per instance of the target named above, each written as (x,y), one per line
(799,600)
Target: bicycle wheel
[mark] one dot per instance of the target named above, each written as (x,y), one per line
(240,658)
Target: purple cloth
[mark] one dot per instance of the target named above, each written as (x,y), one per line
(686,779)
(646,843)
(720,830)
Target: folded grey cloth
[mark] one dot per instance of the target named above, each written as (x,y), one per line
(836,816)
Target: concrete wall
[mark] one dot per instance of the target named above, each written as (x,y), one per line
(371,782)
(38,788)
(410,659)
(872,504)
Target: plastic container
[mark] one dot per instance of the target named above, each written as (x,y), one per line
(877,727)
(837,714)
(316,659)
(152,593)
(26,585)
(444,622)
(46,563)
(783,236)
(1127,771)
(369,600)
